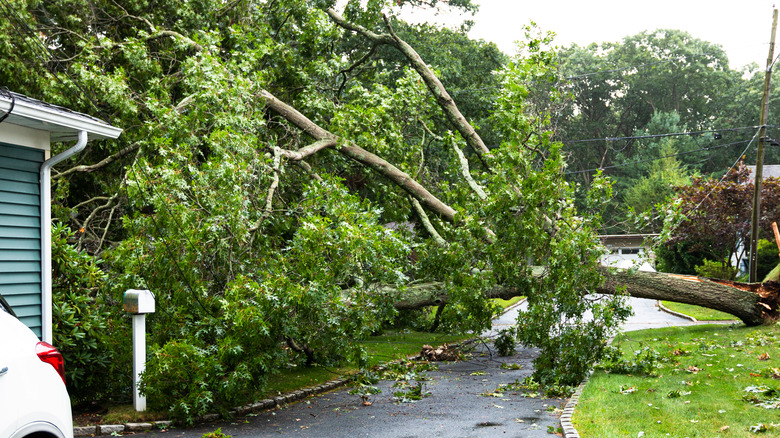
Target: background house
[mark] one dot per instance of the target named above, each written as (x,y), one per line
(769,171)
(28,127)
(628,250)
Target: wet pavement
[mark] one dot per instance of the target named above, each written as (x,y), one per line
(460,404)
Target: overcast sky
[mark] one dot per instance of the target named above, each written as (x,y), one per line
(742,27)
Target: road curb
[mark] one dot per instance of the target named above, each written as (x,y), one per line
(269,403)
(566,424)
(672,312)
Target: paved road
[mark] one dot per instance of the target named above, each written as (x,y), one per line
(456,408)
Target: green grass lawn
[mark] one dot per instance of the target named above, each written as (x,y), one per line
(700,313)
(699,390)
(507,303)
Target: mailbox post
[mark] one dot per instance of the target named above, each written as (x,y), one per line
(139,303)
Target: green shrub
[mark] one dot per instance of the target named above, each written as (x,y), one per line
(678,258)
(505,342)
(645,362)
(718,270)
(84,330)
(767,258)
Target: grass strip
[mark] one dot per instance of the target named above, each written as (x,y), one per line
(700,313)
(698,388)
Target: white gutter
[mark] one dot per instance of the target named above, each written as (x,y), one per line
(46,277)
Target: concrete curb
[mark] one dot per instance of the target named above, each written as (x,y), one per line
(568,411)
(672,312)
(269,403)
(566,425)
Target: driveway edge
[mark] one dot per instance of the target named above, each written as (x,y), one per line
(672,312)
(269,403)
(566,425)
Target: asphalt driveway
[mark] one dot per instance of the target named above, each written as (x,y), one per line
(460,404)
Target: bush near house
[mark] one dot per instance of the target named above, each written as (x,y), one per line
(87,327)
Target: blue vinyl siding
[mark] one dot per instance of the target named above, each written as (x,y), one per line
(20,236)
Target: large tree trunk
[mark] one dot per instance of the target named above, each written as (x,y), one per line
(754,304)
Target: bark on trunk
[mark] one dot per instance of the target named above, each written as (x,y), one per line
(753,304)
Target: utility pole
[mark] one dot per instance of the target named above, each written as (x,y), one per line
(754,224)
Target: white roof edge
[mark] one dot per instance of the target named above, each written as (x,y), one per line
(52,116)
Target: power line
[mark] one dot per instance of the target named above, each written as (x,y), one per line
(637,66)
(44,54)
(674,134)
(614,166)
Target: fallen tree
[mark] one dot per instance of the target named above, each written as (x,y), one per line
(752,303)
(274,169)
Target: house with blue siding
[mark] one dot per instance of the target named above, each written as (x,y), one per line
(28,128)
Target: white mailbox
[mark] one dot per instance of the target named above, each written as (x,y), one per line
(139,301)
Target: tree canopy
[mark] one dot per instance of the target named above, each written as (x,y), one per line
(288,172)
(292,177)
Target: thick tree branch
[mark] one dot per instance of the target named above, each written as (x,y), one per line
(311,149)
(378,164)
(269,198)
(754,304)
(464,169)
(747,302)
(307,168)
(426,223)
(443,99)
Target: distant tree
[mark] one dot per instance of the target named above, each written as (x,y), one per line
(657,187)
(657,169)
(622,89)
(717,213)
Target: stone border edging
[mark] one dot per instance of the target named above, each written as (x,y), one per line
(269,403)
(566,425)
(672,312)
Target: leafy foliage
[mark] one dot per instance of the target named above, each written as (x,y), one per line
(85,325)
(720,270)
(716,217)
(767,257)
(505,342)
(285,235)
(627,96)
(645,362)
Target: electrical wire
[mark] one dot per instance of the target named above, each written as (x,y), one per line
(630,163)
(672,134)
(44,54)
(638,66)
(723,178)
(720,181)
(13,103)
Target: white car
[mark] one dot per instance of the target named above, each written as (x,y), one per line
(33,400)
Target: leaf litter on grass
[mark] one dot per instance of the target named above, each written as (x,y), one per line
(719,363)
